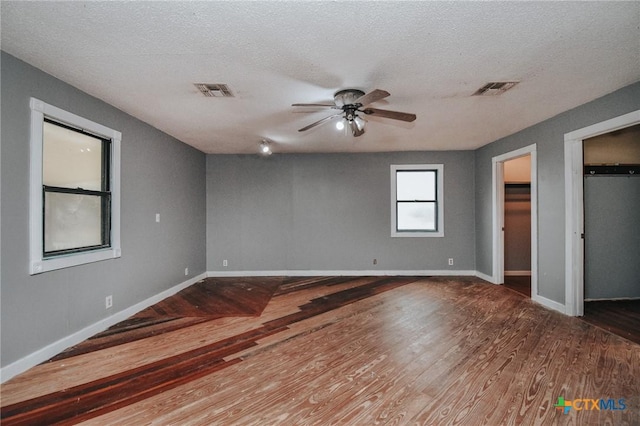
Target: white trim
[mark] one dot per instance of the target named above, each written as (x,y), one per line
(552,304)
(72,119)
(611,125)
(37,263)
(439,168)
(484,277)
(574,205)
(497,219)
(55,348)
(517,273)
(341,273)
(574,224)
(349,273)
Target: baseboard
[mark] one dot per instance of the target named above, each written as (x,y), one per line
(55,348)
(517,273)
(342,273)
(552,304)
(612,299)
(485,277)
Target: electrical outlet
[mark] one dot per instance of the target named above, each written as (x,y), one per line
(375,261)
(225,263)
(186,271)
(451,261)
(157,217)
(108,302)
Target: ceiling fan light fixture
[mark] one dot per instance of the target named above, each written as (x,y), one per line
(351,102)
(265,148)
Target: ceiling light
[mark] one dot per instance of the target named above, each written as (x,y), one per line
(340,125)
(265,148)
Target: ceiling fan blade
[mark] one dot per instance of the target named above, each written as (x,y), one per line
(320,122)
(371,97)
(357,131)
(316,105)
(395,115)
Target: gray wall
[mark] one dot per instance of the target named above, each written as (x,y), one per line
(612,237)
(159,175)
(288,212)
(329,212)
(549,137)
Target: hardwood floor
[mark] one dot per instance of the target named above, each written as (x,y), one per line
(519,283)
(621,317)
(327,350)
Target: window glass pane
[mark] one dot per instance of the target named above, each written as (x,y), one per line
(72,221)
(71,159)
(416,217)
(416,185)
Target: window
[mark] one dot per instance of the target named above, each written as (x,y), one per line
(416,200)
(75,190)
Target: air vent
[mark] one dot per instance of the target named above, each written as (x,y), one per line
(214,90)
(495,88)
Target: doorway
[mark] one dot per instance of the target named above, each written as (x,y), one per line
(574,211)
(517,224)
(515,188)
(611,205)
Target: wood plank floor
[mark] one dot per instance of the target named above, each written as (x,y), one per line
(328,350)
(519,283)
(621,317)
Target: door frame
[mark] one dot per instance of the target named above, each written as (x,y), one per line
(574,206)
(497,196)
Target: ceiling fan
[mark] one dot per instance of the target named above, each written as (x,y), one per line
(353,101)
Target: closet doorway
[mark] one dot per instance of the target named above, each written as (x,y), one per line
(574,206)
(517,224)
(611,221)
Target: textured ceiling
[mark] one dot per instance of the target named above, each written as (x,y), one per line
(143,57)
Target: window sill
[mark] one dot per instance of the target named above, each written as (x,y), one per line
(396,234)
(75,259)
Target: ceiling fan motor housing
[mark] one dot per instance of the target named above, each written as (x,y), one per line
(347,96)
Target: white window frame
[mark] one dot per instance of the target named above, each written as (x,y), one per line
(439,169)
(37,262)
